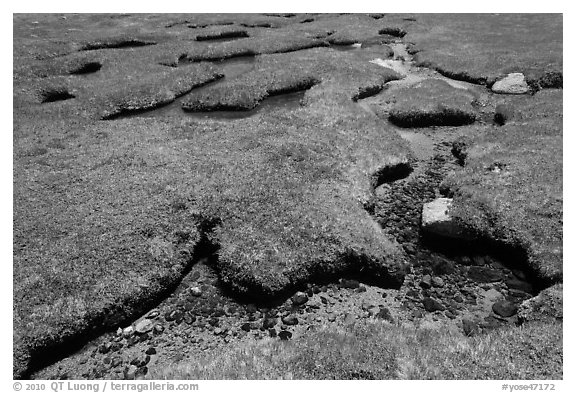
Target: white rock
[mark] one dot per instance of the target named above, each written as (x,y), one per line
(514,83)
(436,220)
(144,326)
(196,291)
(128,331)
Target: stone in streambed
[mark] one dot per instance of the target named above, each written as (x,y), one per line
(514,83)
(436,220)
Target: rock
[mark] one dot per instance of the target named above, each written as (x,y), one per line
(128,332)
(152,314)
(116,361)
(272,332)
(130,372)
(158,329)
(514,83)
(285,335)
(174,315)
(104,348)
(350,284)
(331,317)
(547,306)
(437,282)
(413,294)
(196,291)
(144,337)
(189,318)
(483,274)
(426,282)
(177,316)
(143,326)
(520,285)
(395,65)
(140,361)
(151,351)
(141,373)
(290,320)
(436,220)
(504,308)
(299,298)
(385,314)
(217,331)
(470,327)
(432,305)
(269,323)
(246,327)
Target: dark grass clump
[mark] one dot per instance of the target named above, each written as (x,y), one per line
(393,31)
(86,68)
(56,95)
(391,173)
(222,35)
(439,116)
(430,103)
(116,43)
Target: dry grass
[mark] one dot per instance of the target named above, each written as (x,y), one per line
(377,350)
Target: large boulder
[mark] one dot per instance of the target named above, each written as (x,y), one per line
(514,83)
(436,220)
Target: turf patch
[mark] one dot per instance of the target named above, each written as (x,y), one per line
(533,46)
(510,188)
(283,73)
(432,102)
